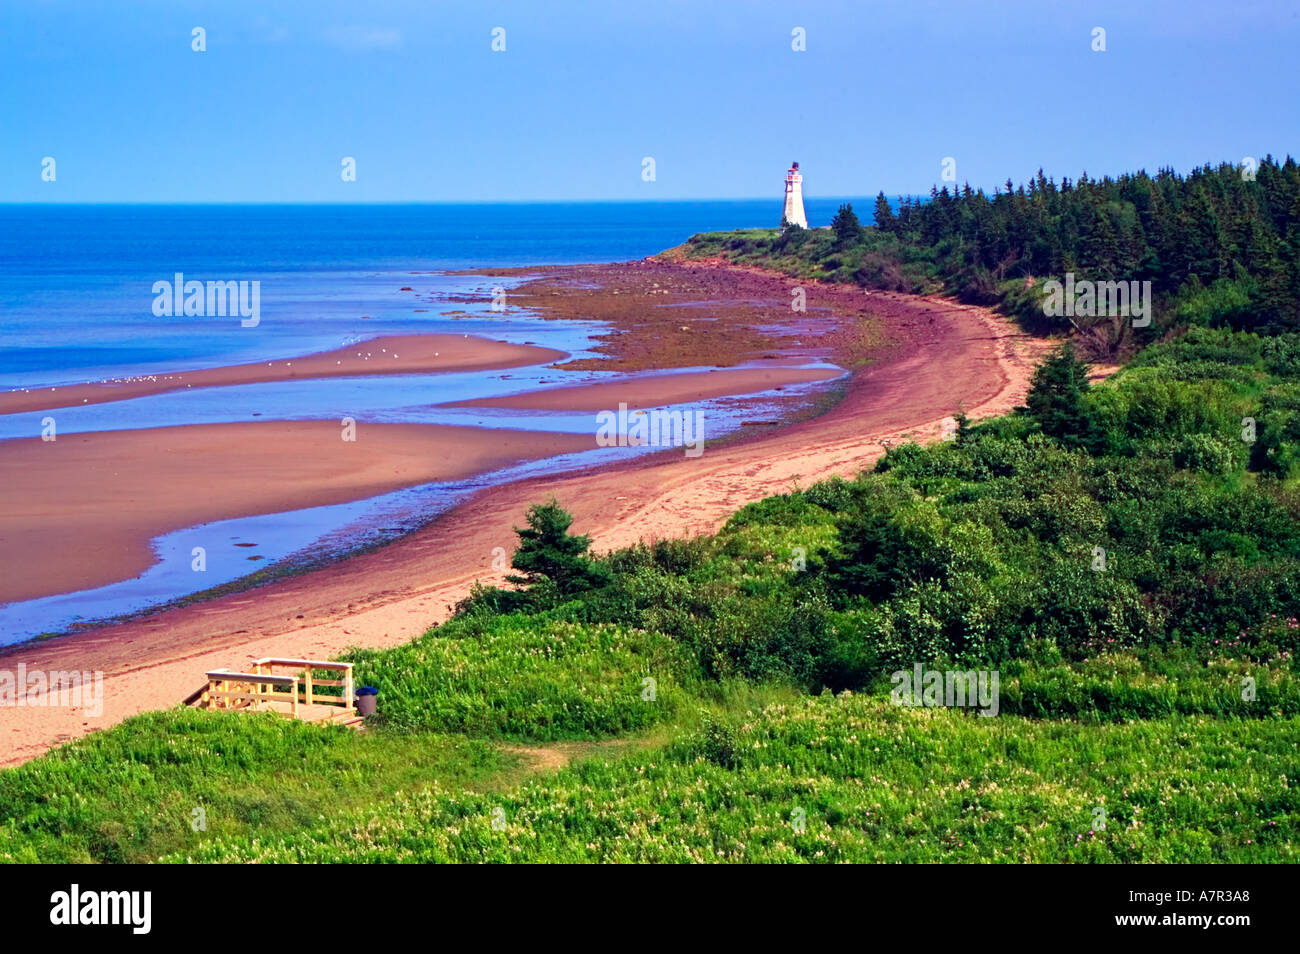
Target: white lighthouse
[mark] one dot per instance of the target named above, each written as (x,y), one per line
(793,213)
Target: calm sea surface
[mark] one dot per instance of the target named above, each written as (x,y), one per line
(76,281)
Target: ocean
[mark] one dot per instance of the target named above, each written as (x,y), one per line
(76,281)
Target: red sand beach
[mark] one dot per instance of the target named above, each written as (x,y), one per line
(80,511)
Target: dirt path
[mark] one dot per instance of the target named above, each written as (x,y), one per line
(958,358)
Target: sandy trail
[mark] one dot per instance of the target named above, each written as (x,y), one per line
(389,354)
(959,358)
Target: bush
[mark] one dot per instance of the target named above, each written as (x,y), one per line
(887,540)
(1225,303)
(1083,610)
(1203,452)
(717,743)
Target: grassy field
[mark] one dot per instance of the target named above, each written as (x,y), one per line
(134,792)
(853,778)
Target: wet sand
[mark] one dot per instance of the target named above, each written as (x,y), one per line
(644,391)
(663,313)
(391,354)
(80,511)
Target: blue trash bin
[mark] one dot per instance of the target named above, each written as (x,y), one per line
(367,700)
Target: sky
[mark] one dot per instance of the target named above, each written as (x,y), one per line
(585,92)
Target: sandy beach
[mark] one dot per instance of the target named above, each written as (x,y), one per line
(938,358)
(391,354)
(81,510)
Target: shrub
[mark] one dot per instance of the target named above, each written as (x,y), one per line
(888,539)
(1225,303)
(1203,452)
(717,743)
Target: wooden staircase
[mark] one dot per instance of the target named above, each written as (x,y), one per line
(288,687)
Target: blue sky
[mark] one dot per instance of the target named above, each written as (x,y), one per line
(584,91)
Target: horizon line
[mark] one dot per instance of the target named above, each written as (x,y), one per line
(375,202)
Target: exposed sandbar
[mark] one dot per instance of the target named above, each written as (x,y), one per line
(79,512)
(391,354)
(655,390)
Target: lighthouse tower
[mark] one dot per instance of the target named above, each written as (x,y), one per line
(794,198)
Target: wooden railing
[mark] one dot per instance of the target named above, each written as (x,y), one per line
(248,690)
(305,670)
(263,685)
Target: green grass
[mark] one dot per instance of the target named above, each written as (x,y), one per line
(515,677)
(129,793)
(1122,686)
(876,260)
(875,783)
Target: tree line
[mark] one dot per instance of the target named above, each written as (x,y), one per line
(1221,245)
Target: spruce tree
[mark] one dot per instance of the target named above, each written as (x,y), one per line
(885,220)
(1057,400)
(846,225)
(548,552)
